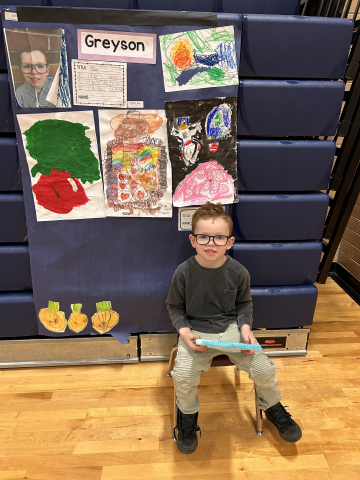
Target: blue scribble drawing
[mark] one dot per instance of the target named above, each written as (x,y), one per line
(199,59)
(224,57)
(186,75)
(64,99)
(218,122)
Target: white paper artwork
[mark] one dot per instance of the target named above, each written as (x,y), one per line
(98,83)
(199,59)
(136,166)
(62,155)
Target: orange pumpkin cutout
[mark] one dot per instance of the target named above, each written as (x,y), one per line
(77,321)
(105,318)
(52,319)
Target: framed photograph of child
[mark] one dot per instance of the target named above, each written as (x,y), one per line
(38,64)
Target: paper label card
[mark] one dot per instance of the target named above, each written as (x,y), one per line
(102,84)
(127,47)
(185,218)
(135,104)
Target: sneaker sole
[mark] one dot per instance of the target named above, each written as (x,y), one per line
(188,451)
(291,439)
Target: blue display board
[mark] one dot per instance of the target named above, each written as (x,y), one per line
(126,261)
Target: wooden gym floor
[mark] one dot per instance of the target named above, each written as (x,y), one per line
(114,422)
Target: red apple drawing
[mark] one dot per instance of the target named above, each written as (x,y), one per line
(59,193)
(140,195)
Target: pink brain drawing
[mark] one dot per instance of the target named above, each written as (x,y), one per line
(209,182)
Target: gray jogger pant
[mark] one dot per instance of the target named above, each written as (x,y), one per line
(189,365)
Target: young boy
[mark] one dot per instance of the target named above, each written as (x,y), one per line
(210,298)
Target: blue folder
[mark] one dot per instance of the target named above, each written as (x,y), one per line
(291,46)
(280,217)
(283,307)
(17,315)
(284,165)
(10,175)
(12,218)
(286,263)
(278,108)
(15,267)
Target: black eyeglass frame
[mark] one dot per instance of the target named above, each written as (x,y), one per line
(34,66)
(211,237)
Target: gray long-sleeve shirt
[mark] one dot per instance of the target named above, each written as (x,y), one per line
(209,299)
(26,97)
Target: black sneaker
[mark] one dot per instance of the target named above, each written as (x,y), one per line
(185,432)
(289,430)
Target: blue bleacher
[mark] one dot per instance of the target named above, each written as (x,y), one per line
(284,165)
(117,4)
(3,65)
(315,47)
(10,175)
(284,307)
(12,218)
(15,268)
(280,217)
(6,115)
(287,263)
(17,315)
(278,108)
(275,7)
(185,5)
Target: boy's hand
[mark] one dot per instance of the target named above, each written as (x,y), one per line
(248,337)
(189,338)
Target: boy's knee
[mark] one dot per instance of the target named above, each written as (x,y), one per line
(263,372)
(185,377)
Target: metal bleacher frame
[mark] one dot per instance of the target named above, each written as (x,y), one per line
(344,185)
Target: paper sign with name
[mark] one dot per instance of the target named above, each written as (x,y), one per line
(102,84)
(185,218)
(129,47)
(135,104)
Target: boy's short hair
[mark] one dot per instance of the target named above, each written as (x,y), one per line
(29,49)
(211,211)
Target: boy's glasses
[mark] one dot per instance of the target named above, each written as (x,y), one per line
(219,240)
(39,67)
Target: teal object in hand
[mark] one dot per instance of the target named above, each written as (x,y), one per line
(216,343)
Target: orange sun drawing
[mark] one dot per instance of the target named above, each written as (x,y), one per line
(181,54)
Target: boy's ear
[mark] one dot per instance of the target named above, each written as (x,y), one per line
(230,243)
(192,240)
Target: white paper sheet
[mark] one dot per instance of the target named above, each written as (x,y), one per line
(199,59)
(136,166)
(64,162)
(102,84)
